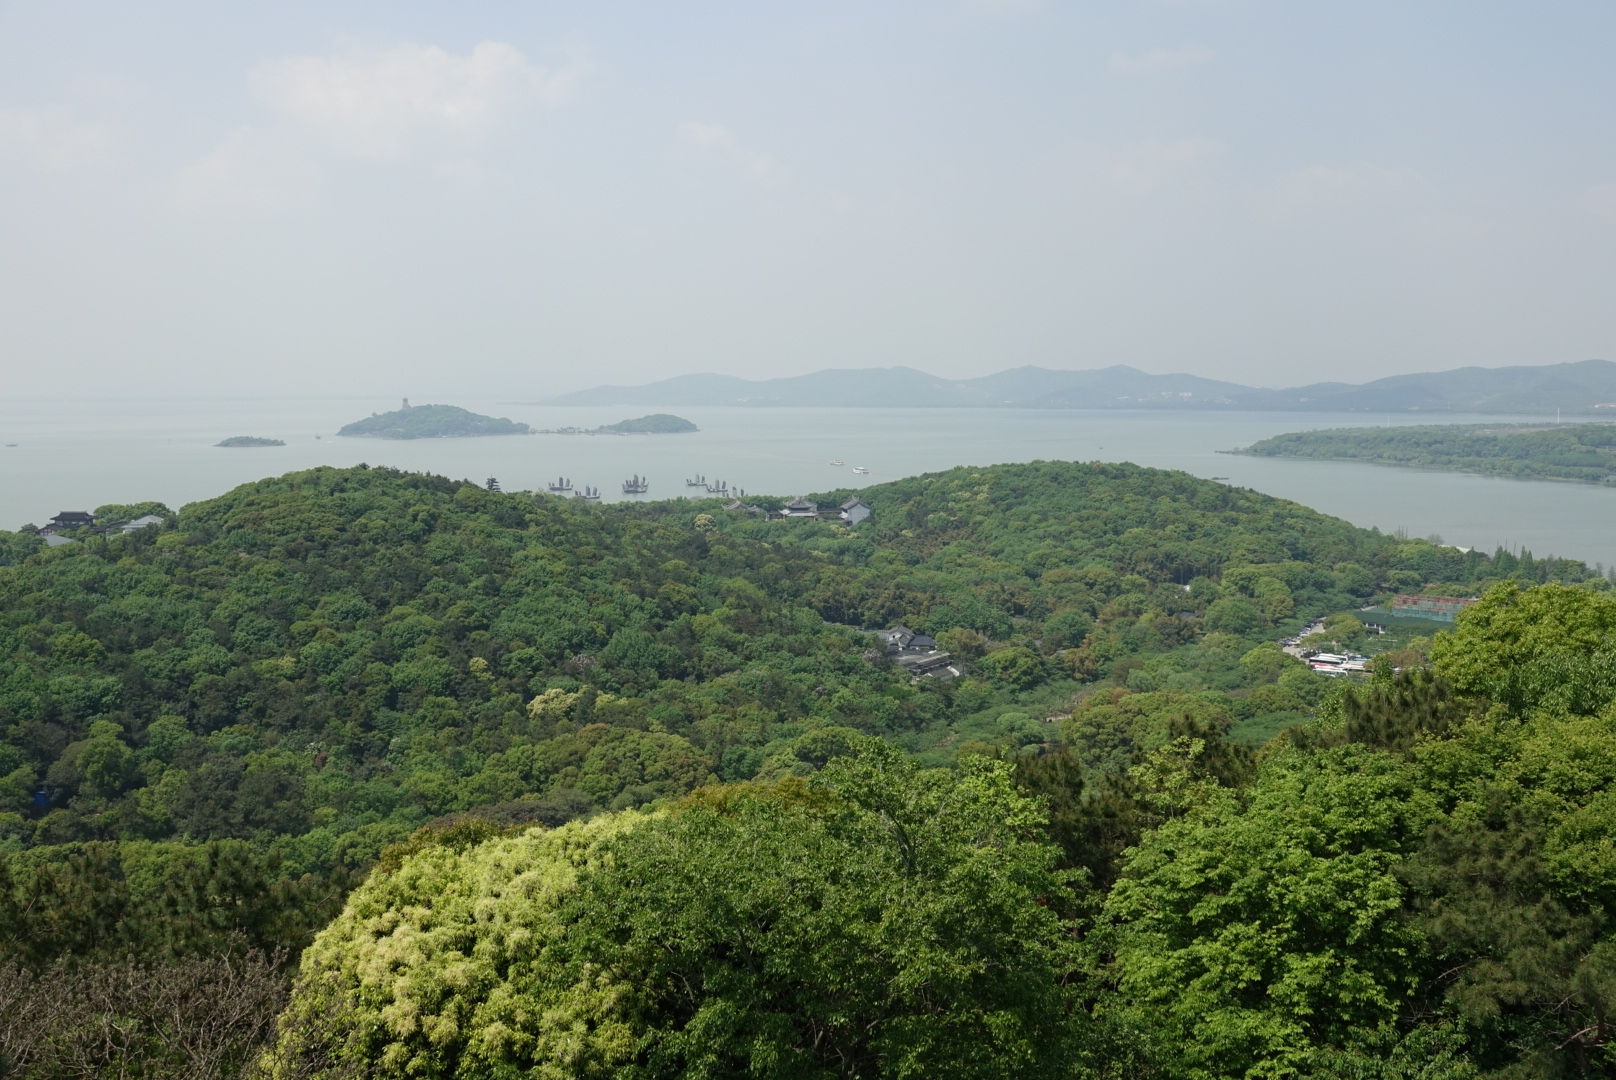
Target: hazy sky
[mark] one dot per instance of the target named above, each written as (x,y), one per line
(500,199)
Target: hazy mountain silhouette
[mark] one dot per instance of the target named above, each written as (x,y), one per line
(1573,387)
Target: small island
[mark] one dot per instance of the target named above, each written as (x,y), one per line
(250,440)
(432,422)
(1526,451)
(655,424)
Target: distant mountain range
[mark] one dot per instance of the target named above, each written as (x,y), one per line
(1572,388)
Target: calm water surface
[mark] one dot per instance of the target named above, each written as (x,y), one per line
(80,455)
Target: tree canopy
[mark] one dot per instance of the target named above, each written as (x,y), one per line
(634,790)
(879,919)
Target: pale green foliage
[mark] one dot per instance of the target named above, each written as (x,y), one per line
(1167,778)
(439,969)
(551,706)
(1263,923)
(1511,630)
(962,642)
(1274,598)
(878,920)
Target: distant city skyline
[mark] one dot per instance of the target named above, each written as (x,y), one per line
(507,200)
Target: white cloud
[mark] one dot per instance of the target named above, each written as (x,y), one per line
(250,169)
(715,138)
(375,105)
(52,137)
(1157,61)
(1152,163)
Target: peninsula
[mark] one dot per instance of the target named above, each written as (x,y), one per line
(432,422)
(249,440)
(1529,452)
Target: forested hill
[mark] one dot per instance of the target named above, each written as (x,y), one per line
(334,656)
(1558,452)
(432,422)
(209,728)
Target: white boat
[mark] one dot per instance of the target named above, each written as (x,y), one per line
(836,461)
(861,470)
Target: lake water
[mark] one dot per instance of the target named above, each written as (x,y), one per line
(80,455)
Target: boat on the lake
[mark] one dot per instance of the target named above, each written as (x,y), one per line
(560,487)
(636,485)
(587,494)
(699,481)
(836,461)
(861,470)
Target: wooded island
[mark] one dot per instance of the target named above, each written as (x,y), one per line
(432,422)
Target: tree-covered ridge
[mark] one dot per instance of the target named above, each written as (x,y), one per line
(355,651)
(1568,452)
(328,659)
(432,422)
(340,672)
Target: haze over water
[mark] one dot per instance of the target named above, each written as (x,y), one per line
(80,455)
